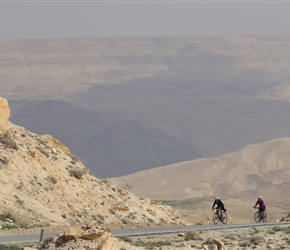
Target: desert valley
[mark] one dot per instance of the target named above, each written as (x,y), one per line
(124,105)
(102,134)
(45,186)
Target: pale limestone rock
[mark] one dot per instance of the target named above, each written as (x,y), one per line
(109,243)
(73,233)
(4,114)
(219,244)
(93,233)
(91,224)
(123,192)
(57,143)
(121,207)
(213,247)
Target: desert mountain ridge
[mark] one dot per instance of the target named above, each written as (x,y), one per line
(44,184)
(42,68)
(170,99)
(257,169)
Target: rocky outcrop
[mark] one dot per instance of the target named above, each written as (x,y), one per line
(5,114)
(91,236)
(284,219)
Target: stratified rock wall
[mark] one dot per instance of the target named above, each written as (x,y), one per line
(57,67)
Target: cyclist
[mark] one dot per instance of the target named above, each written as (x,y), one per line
(220,206)
(262,206)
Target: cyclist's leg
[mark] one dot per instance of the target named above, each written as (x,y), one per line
(222,212)
(218,209)
(262,212)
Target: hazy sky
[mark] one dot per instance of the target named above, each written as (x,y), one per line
(53,18)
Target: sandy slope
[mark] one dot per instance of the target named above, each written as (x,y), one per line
(260,169)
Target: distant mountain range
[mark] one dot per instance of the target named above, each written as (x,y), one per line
(129,104)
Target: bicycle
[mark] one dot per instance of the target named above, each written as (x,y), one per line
(260,216)
(217,216)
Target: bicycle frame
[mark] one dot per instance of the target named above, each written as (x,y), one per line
(217,216)
(260,216)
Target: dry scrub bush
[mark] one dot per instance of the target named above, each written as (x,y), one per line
(43,151)
(52,179)
(24,222)
(45,243)
(192,235)
(151,244)
(20,202)
(276,229)
(7,140)
(7,215)
(75,159)
(286,230)
(76,173)
(4,161)
(256,240)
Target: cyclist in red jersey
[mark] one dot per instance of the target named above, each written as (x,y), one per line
(262,206)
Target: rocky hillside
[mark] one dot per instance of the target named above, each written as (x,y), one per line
(44,184)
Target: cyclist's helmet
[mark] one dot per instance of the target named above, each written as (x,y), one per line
(260,197)
(217,198)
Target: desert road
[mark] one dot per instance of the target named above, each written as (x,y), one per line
(30,239)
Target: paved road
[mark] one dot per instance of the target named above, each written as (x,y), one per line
(31,239)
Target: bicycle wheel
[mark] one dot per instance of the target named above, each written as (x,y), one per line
(215,218)
(257,217)
(224,221)
(264,219)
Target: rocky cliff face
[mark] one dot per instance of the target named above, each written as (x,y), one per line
(43,184)
(5,114)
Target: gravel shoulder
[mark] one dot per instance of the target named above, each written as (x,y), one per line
(275,237)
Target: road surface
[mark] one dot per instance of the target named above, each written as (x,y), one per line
(31,239)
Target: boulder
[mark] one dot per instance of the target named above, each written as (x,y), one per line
(73,233)
(93,233)
(219,244)
(109,243)
(5,114)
